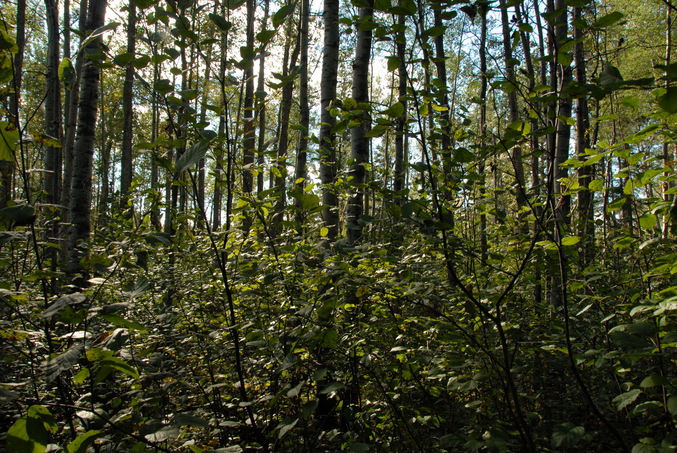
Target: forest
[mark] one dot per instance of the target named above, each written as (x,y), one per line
(338,226)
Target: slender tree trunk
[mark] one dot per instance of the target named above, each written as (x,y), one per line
(72,100)
(300,172)
(513,112)
(288,63)
(560,78)
(219,153)
(484,247)
(53,128)
(249,138)
(668,156)
(586,220)
(327,147)
(126,171)
(534,146)
(443,98)
(400,122)
(7,166)
(261,106)
(359,142)
(52,178)
(81,188)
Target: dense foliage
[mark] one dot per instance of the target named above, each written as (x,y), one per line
(493,271)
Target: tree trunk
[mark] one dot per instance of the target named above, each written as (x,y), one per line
(586,219)
(327,147)
(126,172)
(516,158)
(288,63)
(400,122)
(249,139)
(484,247)
(7,166)
(300,171)
(72,99)
(359,142)
(81,187)
(52,178)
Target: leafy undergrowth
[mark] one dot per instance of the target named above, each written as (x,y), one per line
(301,347)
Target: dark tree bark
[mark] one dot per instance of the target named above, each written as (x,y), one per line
(81,187)
(443,97)
(327,148)
(484,247)
(516,158)
(261,105)
(72,98)
(359,142)
(249,138)
(560,78)
(300,170)
(288,63)
(53,128)
(586,220)
(52,180)
(401,122)
(126,171)
(7,166)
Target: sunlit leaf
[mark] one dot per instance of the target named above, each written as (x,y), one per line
(83,441)
(608,20)
(627,398)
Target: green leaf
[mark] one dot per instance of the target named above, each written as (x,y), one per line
(27,435)
(668,100)
(53,368)
(382,5)
(188,419)
(18,215)
(144,4)
(285,426)
(67,73)
(281,14)
(396,110)
(220,21)
(394,63)
(98,32)
(463,155)
(570,240)
(596,185)
(435,31)
(120,365)
(192,155)
(523,127)
(608,20)
(83,441)
(265,36)
(9,141)
(42,414)
(653,381)
(648,221)
(163,87)
(333,387)
(119,321)
(7,42)
(625,399)
(672,404)
(62,302)
(567,435)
